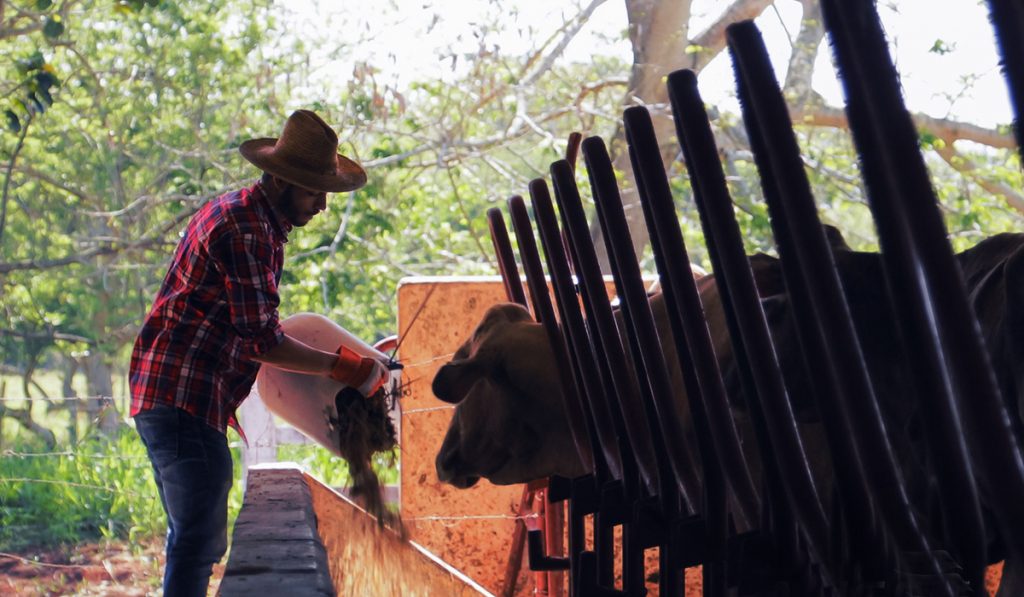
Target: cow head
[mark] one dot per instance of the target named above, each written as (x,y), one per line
(508,426)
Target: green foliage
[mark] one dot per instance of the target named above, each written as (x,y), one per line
(34,80)
(100,488)
(333,471)
(942,47)
(152,104)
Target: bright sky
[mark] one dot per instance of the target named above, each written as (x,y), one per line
(405,43)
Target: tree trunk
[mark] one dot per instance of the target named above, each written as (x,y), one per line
(659,32)
(24,415)
(71,400)
(3,407)
(100,409)
(805,52)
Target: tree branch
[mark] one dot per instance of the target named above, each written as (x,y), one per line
(569,31)
(830,117)
(116,246)
(7,176)
(526,76)
(48,337)
(465,214)
(46,178)
(968,168)
(710,42)
(24,416)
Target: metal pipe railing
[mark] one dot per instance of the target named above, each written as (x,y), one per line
(1007,17)
(779,435)
(864,462)
(646,442)
(967,424)
(615,452)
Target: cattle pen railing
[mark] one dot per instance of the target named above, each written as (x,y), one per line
(865,532)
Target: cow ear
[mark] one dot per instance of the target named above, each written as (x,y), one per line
(454,379)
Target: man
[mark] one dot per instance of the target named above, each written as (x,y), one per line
(212,325)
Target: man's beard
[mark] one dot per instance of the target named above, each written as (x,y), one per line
(286,205)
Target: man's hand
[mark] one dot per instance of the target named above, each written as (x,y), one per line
(365,374)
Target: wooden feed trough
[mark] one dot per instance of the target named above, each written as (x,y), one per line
(297,537)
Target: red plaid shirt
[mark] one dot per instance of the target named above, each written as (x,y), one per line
(216,309)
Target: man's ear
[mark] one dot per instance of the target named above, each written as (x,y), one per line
(279,183)
(454,379)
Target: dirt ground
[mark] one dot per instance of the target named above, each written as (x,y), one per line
(117,569)
(108,569)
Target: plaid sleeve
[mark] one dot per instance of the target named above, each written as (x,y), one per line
(245,260)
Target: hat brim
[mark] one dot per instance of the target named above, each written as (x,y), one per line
(348,176)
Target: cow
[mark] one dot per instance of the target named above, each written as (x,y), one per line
(509,425)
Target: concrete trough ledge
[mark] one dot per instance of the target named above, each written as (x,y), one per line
(275,548)
(295,536)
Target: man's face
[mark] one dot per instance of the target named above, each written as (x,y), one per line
(299,205)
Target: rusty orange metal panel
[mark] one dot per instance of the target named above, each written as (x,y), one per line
(469,528)
(472,529)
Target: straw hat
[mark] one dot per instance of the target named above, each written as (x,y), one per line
(307,155)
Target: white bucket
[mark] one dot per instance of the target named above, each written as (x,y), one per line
(306,402)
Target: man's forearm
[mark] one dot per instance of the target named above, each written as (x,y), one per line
(293,355)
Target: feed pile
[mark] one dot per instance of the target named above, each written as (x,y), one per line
(365,429)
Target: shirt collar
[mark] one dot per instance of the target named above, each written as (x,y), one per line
(279,224)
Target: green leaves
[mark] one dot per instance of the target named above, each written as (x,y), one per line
(13,122)
(32,62)
(54,27)
(43,4)
(32,94)
(130,6)
(942,47)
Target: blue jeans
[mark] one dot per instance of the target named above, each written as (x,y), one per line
(192,465)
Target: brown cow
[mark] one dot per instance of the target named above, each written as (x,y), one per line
(509,425)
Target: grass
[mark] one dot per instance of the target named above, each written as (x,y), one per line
(330,469)
(101,487)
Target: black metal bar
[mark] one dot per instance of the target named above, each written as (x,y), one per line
(594,396)
(584,493)
(651,366)
(964,405)
(634,299)
(539,561)
(686,311)
(856,431)
(722,458)
(646,442)
(715,206)
(646,446)
(579,422)
(506,259)
(1008,19)
(514,292)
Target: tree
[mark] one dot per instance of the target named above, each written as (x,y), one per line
(661,44)
(151,103)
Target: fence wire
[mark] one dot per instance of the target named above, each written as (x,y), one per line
(107,402)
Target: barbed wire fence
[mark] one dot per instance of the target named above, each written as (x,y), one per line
(82,447)
(71,451)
